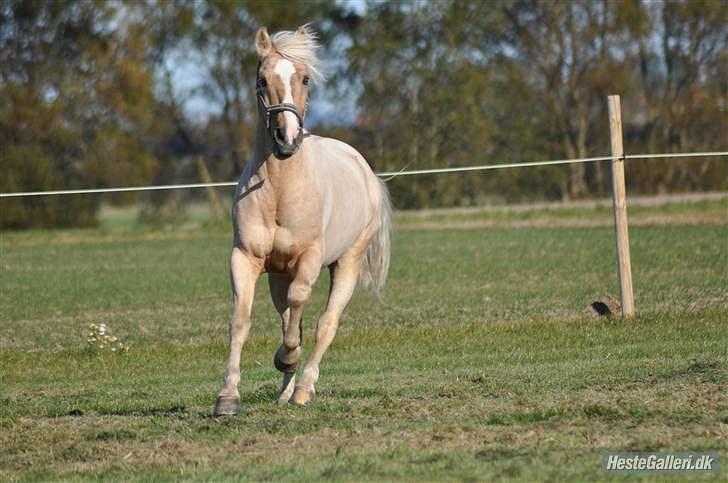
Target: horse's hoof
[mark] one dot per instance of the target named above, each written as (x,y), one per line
(227,406)
(287,367)
(283,367)
(302,396)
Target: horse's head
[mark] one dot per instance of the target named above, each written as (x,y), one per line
(287,63)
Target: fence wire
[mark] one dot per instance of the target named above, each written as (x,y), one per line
(387,174)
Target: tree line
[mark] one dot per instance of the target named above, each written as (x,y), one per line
(99,94)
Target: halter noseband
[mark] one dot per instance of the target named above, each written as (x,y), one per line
(275,109)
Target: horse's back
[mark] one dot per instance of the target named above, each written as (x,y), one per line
(350,193)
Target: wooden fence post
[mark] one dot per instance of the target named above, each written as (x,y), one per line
(215,208)
(619,198)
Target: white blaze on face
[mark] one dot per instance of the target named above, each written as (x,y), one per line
(285,70)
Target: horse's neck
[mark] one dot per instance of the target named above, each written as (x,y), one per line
(280,174)
(261,145)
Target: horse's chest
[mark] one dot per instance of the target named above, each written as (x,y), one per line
(286,247)
(286,241)
(278,227)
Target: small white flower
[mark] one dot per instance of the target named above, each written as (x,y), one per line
(99,338)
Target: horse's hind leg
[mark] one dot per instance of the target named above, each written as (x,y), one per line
(278,284)
(344,275)
(244,271)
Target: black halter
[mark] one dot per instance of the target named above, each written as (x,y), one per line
(275,109)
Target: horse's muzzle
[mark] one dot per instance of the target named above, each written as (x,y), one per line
(281,148)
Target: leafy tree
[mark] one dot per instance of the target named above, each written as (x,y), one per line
(423,101)
(458,83)
(76,96)
(683,93)
(88,96)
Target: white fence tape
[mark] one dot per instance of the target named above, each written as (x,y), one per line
(388,174)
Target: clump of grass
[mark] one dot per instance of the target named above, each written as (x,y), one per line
(99,338)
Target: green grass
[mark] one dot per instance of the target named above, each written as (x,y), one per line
(482,364)
(709,211)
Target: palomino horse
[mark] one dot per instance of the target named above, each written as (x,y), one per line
(303,202)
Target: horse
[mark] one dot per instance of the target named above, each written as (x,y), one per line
(303,202)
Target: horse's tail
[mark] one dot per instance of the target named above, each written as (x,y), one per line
(376,261)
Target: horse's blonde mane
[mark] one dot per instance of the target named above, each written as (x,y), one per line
(300,46)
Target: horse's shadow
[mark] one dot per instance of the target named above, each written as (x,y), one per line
(249,190)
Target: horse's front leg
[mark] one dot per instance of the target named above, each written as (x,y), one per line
(244,271)
(305,274)
(279,284)
(344,275)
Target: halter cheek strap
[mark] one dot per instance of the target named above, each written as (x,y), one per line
(282,107)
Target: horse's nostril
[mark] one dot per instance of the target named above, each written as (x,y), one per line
(279,133)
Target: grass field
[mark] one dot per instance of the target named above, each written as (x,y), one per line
(482,364)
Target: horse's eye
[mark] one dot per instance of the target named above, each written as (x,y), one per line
(262,83)
(305,80)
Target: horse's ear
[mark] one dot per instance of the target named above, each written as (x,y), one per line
(262,42)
